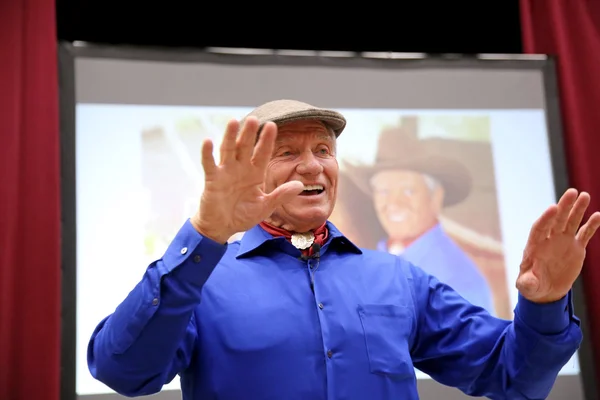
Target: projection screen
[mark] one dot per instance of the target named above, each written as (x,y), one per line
(133,121)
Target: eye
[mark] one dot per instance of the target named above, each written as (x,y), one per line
(323,151)
(283,152)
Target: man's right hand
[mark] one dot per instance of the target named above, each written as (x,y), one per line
(233,199)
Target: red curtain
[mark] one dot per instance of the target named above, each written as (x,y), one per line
(30,202)
(570,30)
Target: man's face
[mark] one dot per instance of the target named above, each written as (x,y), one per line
(304,151)
(407,206)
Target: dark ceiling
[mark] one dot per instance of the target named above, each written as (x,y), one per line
(426,26)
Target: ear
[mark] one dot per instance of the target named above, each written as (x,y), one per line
(437,199)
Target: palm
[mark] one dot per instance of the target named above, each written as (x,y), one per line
(235,204)
(555,251)
(233,199)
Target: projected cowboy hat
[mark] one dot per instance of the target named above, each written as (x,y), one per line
(399,150)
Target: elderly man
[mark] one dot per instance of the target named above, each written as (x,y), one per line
(410,182)
(296,311)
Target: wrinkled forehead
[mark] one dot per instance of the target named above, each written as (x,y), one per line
(395,177)
(299,129)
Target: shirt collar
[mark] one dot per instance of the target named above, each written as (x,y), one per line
(256,238)
(423,245)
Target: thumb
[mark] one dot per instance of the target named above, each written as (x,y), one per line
(284,193)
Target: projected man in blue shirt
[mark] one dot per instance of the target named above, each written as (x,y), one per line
(296,311)
(410,183)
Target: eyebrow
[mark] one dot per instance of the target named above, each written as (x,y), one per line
(326,137)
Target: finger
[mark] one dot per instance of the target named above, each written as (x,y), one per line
(247,139)
(588,230)
(565,204)
(264,148)
(208,160)
(542,227)
(284,193)
(228,145)
(577,213)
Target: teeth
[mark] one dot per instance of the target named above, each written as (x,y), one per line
(313,187)
(397,217)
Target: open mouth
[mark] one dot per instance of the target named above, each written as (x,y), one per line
(312,190)
(397,216)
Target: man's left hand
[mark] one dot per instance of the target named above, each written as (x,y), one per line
(554,254)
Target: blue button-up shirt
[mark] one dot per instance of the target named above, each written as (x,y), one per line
(437,254)
(250,320)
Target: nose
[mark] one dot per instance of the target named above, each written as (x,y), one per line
(397,194)
(309,164)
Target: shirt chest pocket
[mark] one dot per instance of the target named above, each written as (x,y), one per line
(387,330)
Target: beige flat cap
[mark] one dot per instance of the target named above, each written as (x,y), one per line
(282,111)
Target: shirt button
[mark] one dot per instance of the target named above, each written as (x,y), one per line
(154,301)
(197,259)
(321,306)
(329,353)
(184,250)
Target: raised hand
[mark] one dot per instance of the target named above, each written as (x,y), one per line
(233,199)
(554,254)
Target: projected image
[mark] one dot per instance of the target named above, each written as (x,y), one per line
(430,196)
(425,191)
(444,163)
(443,188)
